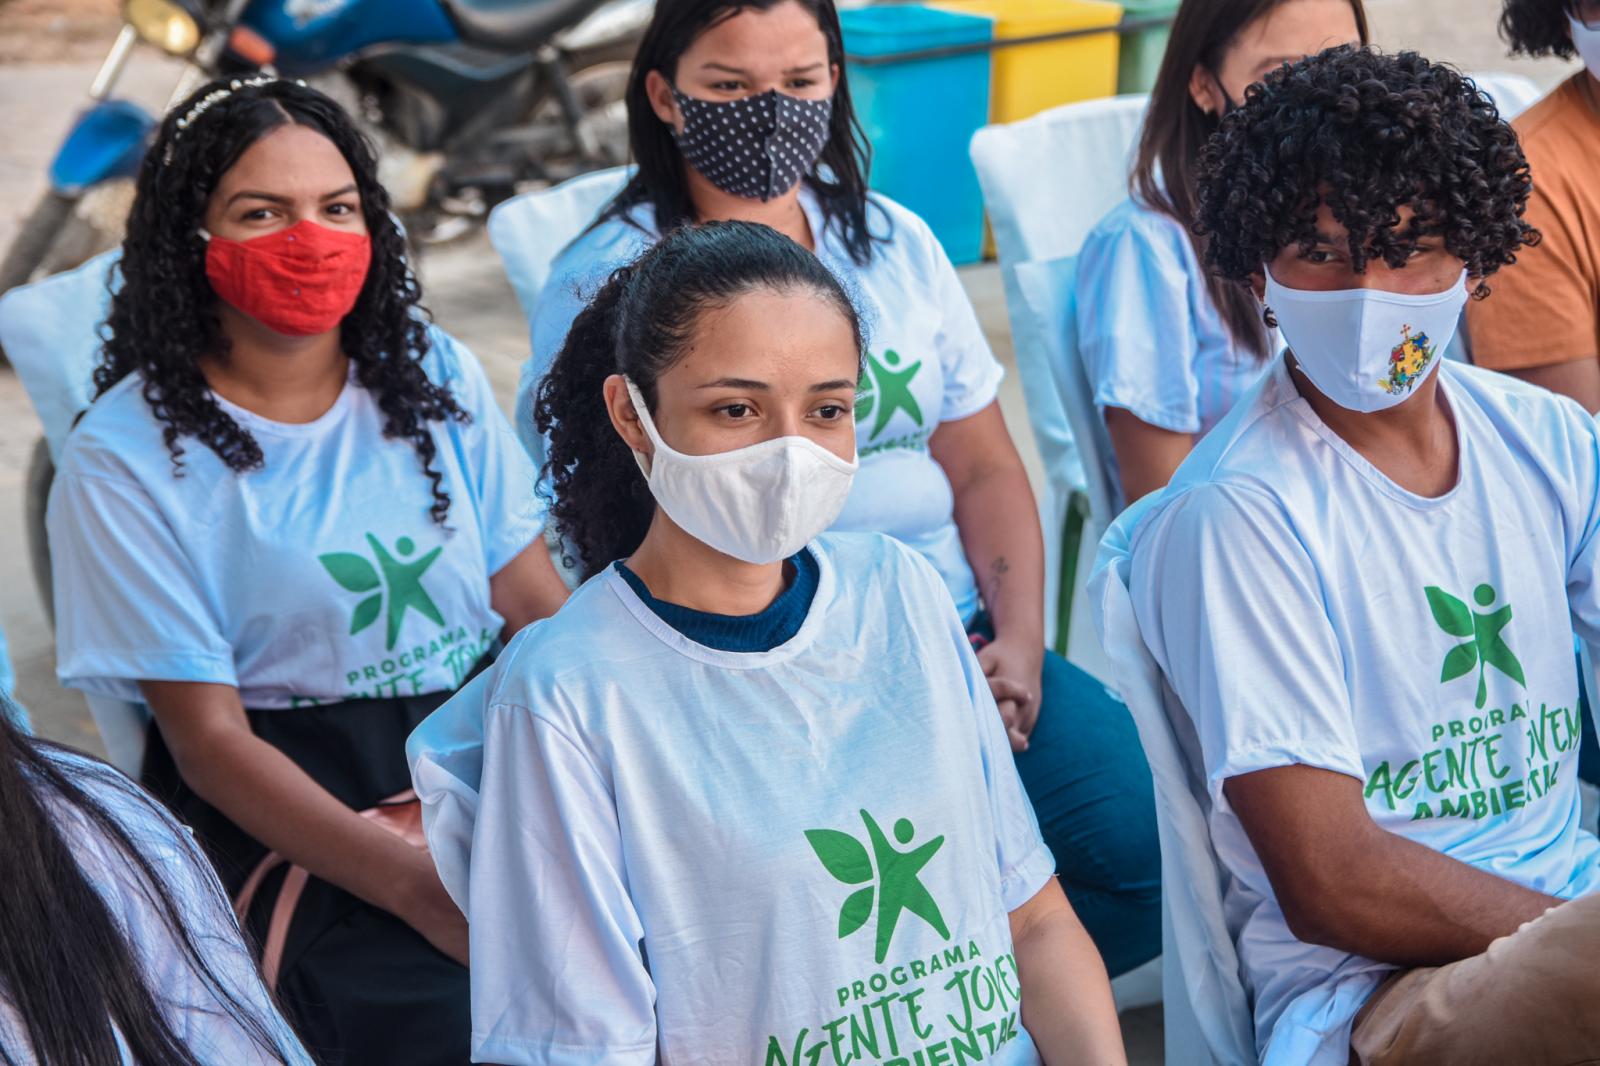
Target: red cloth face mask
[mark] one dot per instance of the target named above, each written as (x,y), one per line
(300,281)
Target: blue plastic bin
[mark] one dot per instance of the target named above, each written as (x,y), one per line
(920,114)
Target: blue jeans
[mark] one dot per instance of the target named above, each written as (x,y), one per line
(1086,774)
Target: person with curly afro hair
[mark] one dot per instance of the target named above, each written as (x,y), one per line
(292,523)
(1362,587)
(1544,323)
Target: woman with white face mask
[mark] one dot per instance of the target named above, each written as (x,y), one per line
(747,797)
(743,112)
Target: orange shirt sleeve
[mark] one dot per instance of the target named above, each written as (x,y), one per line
(1544,309)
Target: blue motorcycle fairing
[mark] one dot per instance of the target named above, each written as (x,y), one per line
(312,35)
(107,141)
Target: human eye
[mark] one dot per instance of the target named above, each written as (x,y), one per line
(832,412)
(728,86)
(341,210)
(734,412)
(1318,256)
(801,83)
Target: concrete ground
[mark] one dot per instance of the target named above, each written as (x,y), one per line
(464,286)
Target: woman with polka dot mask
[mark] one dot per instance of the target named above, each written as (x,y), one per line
(744,113)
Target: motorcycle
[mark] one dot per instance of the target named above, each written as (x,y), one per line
(469,102)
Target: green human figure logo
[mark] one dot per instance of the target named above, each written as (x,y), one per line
(888,390)
(898,888)
(1484,647)
(400,581)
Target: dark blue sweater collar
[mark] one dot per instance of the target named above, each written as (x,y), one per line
(752,632)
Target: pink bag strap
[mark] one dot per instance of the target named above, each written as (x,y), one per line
(400,814)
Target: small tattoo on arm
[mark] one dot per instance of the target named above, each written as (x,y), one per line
(997,572)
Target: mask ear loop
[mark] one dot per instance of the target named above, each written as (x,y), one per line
(650,431)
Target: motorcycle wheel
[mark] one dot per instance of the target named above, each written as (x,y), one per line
(41,473)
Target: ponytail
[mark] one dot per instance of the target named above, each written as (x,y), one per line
(638,325)
(602,504)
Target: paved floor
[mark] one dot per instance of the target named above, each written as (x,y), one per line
(468,293)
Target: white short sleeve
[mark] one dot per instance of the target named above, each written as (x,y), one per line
(1025,860)
(503,478)
(558,978)
(129,605)
(972,374)
(1230,604)
(1135,332)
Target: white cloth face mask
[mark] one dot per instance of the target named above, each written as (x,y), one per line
(1367,349)
(1587,42)
(759,504)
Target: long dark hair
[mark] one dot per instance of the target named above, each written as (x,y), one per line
(840,177)
(66,967)
(1537,28)
(639,325)
(1165,172)
(163,320)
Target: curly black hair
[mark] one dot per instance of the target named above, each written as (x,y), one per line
(639,324)
(163,320)
(1368,134)
(1537,27)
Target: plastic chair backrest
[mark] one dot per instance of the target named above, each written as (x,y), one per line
(1206,1004)
(1066,425)
(1512,93)
(50,331)
(1048,179)
(530,230)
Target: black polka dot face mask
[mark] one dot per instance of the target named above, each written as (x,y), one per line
(758,147)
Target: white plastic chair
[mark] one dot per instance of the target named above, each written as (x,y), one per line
(1512,93)
(1047,181)
(50,331)
(530,230)
(1054,376)
(1208,1018)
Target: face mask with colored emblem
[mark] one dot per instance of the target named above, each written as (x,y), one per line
(758,147)
(299,281)
(1366,349)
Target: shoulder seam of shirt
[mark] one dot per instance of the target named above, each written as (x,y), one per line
(583,752)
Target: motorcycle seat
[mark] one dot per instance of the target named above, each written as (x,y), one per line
(515,25)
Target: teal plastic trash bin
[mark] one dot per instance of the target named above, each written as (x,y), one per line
(1144,47)
(920,113)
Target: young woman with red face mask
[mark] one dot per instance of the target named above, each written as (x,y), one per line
(292,523)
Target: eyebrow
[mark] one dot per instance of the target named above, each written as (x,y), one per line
(273,198)
(808,68)
(762,386)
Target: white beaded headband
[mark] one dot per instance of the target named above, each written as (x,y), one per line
(216,96)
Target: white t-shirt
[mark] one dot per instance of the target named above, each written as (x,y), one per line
(805,855)
(1308,610)
(1152,341)
(192,1009)
(319,577)
(927,363)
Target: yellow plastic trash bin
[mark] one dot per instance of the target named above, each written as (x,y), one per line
(1028,78)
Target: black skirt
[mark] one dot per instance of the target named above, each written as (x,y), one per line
(361,987)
